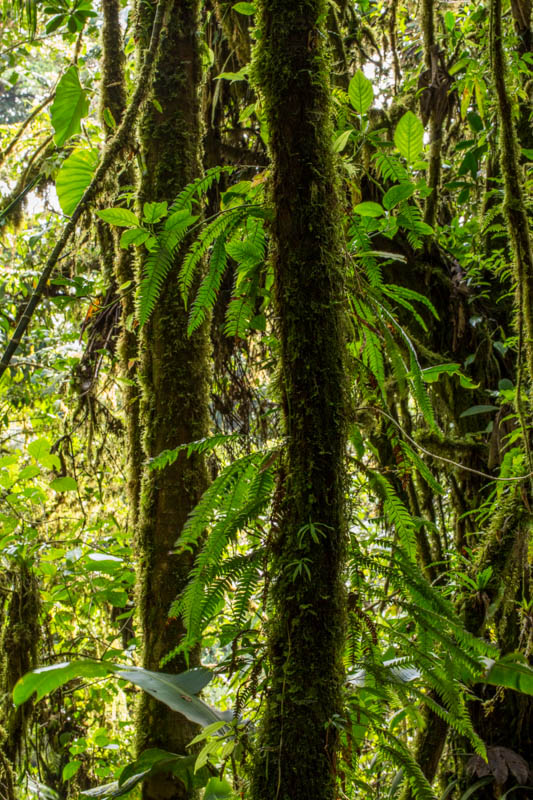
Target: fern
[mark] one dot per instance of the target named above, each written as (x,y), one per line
(232,503)
(160,260)
(199,187)
(206,445)
(396,513)
(390,168)
(219,228)
(410,219)
(208,289)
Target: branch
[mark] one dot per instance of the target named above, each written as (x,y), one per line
(109,158)
(24,125)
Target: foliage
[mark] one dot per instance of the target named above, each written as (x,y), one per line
(438,590)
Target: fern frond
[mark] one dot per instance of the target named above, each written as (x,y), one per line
(396,513)
(205,445)
(219,228)
(160,260)
(390,168)
(208,289)
(199,187)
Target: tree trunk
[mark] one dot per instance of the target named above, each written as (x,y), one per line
(113,100)
(296,756)
(175,381)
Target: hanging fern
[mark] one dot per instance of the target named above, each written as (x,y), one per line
(219,228)
(234,500)
(160,260)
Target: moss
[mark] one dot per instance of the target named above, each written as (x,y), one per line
(297,744)
(113,89)
(514,204)
(18,654)
(174,376)
(122,265)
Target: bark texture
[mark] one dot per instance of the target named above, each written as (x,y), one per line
(296,756)
(174,372)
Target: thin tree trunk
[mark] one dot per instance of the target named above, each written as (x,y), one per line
(113,100)
(296,756)
(174,373)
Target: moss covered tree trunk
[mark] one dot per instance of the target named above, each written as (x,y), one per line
(175,378)
(113,100)
(296,755)
(19,638)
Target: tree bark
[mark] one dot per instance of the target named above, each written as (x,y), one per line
(296,755)
(174,372)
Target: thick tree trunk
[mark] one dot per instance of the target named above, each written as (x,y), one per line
(296,756)
(175,380)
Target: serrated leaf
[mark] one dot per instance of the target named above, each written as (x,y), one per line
(69,108)
(135,236)
(121,217)
(360,92)
(153,212)
(74,177)
(409,136)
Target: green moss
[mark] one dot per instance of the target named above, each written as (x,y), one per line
(174,376)
(297,744)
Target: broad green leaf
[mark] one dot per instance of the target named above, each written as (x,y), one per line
(69,108)
(409,136)
(396,194)
(473,410)
(432,374)
(44,680)
(360,92)
(74,177)
(169,689)
(153,212)
(29,472)
(341,141)
(40,450)
(511,671)
(369,209)
(121,217)
(115,789)
(449,20)
(103,562)
(218,789)
(134,236)
(65,484)
(70,769)
(244,8)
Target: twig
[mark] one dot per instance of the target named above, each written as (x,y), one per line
(443,458)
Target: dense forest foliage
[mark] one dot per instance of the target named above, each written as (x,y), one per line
(266,364)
